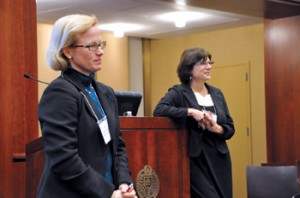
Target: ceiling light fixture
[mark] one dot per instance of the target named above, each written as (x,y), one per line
(118,33)
(180,23)
(119,28)
(180,2)
(180,18)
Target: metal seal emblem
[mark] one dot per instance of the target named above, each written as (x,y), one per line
(147,183)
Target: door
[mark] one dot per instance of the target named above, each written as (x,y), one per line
(233,80)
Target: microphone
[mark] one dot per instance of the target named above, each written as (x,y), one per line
(31,78)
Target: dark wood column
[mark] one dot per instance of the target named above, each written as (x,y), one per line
(19,97)
(282,80)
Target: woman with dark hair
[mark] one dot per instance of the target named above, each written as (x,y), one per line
(203,110)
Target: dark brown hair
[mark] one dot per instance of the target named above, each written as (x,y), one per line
(188,60)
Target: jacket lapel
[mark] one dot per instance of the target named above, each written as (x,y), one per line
(215,97)
(107,104)
(104,98)
(87,99)
(189,94)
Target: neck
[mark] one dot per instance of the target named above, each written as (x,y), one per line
(86,80)
(199,87)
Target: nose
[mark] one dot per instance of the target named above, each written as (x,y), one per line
(99,50)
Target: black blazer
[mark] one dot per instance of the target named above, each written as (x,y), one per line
(175,104)
(75,151)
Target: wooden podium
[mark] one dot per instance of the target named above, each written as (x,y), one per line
(154,142)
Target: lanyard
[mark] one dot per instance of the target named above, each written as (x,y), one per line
(102,124)
(101,111)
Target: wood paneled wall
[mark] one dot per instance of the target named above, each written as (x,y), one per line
(18,103)
(282,81)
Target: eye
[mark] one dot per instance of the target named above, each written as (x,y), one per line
(93,46)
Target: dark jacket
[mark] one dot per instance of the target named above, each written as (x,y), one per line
(181,97)
(75,151)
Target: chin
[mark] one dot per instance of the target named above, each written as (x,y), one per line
(98,67)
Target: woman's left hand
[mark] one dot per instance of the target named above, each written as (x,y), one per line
(211,124)
(127,192)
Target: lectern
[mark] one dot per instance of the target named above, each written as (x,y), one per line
(157,152)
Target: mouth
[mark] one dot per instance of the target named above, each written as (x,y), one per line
(98,61)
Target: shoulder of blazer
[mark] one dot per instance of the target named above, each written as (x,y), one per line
(72,79)
(181,88)
(212,88)
(61,83)
(215,92)
(103,87)
(186,95)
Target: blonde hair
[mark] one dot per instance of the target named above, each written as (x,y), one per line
(63,35)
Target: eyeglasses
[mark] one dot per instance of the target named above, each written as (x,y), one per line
(93,46)
(205,64)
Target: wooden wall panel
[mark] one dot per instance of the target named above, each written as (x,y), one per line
(282,81)
(18,103)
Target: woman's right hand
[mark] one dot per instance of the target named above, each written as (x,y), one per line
(116,194)
(120,194)
(198,116)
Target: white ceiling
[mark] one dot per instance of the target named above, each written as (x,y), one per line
(143,13)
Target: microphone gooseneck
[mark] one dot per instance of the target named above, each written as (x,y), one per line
(31,78)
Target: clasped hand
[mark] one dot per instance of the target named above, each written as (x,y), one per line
(205,120)
(124,192)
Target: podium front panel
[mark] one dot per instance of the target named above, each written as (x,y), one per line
(162,145)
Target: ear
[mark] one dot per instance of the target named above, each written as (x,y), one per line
(67,53)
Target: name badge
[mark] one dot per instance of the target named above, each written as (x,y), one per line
(103,125)
(215,117)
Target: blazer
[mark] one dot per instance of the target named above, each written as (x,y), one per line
(175,105)
(75,151)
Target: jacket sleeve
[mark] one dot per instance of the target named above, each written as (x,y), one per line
(122,169)
(58,114)
(228,125)
(171,105)
(124,175)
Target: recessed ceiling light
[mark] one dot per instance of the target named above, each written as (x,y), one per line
(182,15)
(180,2)
(120,28)
(180,23)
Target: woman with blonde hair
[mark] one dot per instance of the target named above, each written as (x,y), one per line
(84,150)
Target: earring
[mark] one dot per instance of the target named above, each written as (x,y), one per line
(70,57)
(190,77)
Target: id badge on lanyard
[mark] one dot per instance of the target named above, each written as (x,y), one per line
(215,117)
(103,126)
